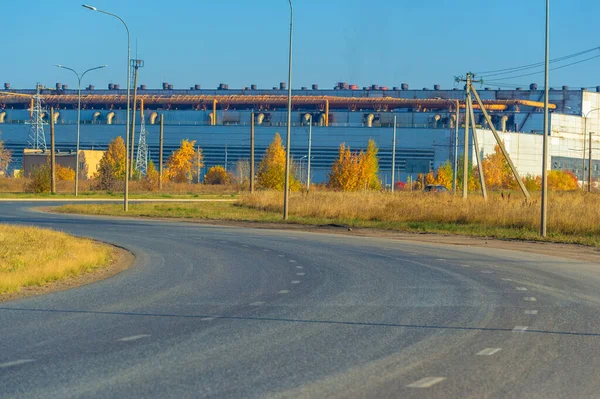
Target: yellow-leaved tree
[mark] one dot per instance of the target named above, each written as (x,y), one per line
(179,166)
(64,173)
(497,170)
(562,180)
(111,169)
(216,175)
(150,181)
(369,167)
(345,171)
(444,176)
(271,170)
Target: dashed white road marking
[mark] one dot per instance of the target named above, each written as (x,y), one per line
(531,312)
(506,279)
(521,289)
(520,328)
(293,261)
(440,259)
(300,274)
(295,281)
(299,267)
(530,299)
(207,318)
(488,351)
(465,265)
(284,292)
(133,337)
(281,256)
(245,246)
(257,303)
(15,363)
(426,382)
(487,271)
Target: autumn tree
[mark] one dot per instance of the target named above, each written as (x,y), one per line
(216,175)
(197,164)
(497,170)
(111,169)
(444,176)
(562,180)
(150,181)
(64,173)
(345,171)
(179,165)
(5,159)
(40,179)
(430,178)
(472,182)
(271,170)
(369,167)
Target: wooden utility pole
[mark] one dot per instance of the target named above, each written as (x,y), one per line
(160,151)
(465,188)
(252,152)
(590,165)
(394,155)
(52,153)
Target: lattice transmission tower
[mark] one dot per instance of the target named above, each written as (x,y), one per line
(141,160)
(37,138)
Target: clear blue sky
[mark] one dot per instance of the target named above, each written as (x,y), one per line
(240,42)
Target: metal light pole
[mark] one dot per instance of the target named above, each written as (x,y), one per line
(585,116)
(79,77)
(394,155)
(126,191)
(309,150)
(590,165)
(286,189)
(455,163)
(544,205)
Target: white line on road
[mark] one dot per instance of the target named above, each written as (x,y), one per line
(531,312)
(426,382)
(257,303)
(506,279)
(520,328)
(295,281)
(133,337)
(299,267)
(207,318)
(465,265)
(293,261)
(488,351)
(530,299)
(281,256)
(521,289)
(284,291)
(300,274)
(487,271)
(15,363)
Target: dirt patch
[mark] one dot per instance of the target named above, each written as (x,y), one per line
(122,260)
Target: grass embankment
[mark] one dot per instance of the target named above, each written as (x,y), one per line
(15,188)
(31,256)
(573,217)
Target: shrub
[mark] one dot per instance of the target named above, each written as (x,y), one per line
(216,175)
(40,180)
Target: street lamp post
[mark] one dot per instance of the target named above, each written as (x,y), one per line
(544,204)
(456,104)
(79,77)
(309,150)
(126,191)
(286,192)
(585,118)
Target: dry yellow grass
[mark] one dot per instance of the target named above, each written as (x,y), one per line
(570,213)
(31,256)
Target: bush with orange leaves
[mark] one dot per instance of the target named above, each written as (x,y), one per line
(179,166)
(354,171)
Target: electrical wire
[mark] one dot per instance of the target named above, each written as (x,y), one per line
(552,69)
(537,64)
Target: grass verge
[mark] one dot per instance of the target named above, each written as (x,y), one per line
(573,217)
(30,256)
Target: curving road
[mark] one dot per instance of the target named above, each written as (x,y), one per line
(237,312)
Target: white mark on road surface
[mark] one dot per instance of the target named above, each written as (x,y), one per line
(300,274)
(245,246)
(530,299)
(257,303)
(440,259)
(488,351)
(465,266)
(521,289)
(295,281)
(299,267)
(281,256)
(15,363)
(284,291)
(293,261)
(531,312)
(520,328)
(134,338)
(487,271)
(506,279)
(207,318)
(426,382)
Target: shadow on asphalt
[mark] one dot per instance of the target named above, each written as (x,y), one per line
(288,320)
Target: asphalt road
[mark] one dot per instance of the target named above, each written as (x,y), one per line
(229,312)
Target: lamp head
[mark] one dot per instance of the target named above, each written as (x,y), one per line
(89,7)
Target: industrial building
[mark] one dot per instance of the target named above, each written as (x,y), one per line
(219,120)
